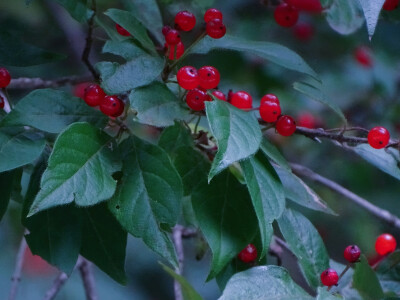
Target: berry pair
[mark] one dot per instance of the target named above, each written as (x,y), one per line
(287,13)
(5,78)
(206,77)
(215,28)
(109,105)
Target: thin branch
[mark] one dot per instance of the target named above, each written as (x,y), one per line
(177,239)
(16,278)
(85,268)
(374,210)
(89,42)
(39,83)
(56,287)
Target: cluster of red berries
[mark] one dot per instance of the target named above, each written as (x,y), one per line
(391,4)
(109,105)
(287,13)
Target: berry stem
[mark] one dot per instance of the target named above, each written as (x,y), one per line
(341,275)
(197,124)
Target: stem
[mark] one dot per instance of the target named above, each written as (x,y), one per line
(89,41)
(39,83)
(85,269)
(177,239)
(16,278)
(197,125)
(56,287)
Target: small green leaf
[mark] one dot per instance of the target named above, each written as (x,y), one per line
(6,185)
(156,105)
(51,111)
(237,133)
(266,283)
(305,242)
(345,16)
(366,282)
(174,137)
(79,169)
(390,263)
(77,9)
(273,153)
(126,49)
(372,9)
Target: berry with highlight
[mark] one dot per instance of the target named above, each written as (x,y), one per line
(208,77)
(195,99)
(385,244)
(329,277)
(94,95)
(248,254)
(352,253)
(211,14)
(185,20)
(112,106)
(215,28)
(242,100)
(285,125)
(188,78)
(378,137)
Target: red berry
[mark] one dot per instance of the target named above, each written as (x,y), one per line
(363,56)
(307,120)
(180,49)
(80,89)
(220,95)
(285,125)
(303,32)
(248,254)
(112,106)
(270,111)
(166,29)
(329,277)
(211,14)
(269,98)
(188,78)
(215,28)
(185,20)
(94,95)
(1,102)
(172,37)
(378,137)
(313,6)
(390,4)
(121,30)
(352,253)
(208,77)
(242,100)
(5,78)
(195,99)
(385,244)
(286,15)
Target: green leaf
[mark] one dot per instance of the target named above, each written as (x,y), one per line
(14,52)
(188,292)
(366,282)
(77,9)
(19,147)
(345,16)
(79,169)
(266,193)
(149,194)
(305,242)
(226,217)
(174,137)
(118,79)
(128,21)
(315,90)
(273,153)
(104,241)
(6,185)
(126,49)
(156,105)
(237,133)
(390,263)
(266,283)
(272,52)
(51,111)
(323,294)
(372,9)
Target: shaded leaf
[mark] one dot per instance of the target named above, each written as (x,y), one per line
(6,185)
(345,16)
(273,153)
(126,49)
(174,137)
(77,9)
(372,9)
(366,282)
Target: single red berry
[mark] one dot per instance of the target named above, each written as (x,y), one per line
(172,37)
(220,95)
(385,244)
(352,253)
(269,98)
(303,31)
(121,30)
(307,120)
(390,4)
(363,56)
(285,125)
(248,254)
(208,77)
(1,102)
(329,277)
(242,100)
(378,137)
(195,99)
(94,95)
(80,89)
(286,15)
(211,14)
(215,28)
(166,29)
(180,49)
(112,106)
(5,78)
(312,6)
(188,78)
(270,111)
(185,20)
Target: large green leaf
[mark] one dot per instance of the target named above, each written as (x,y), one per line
(273,153)
(156,105)
(372,9)
(345,16)
(79,169)
(149,195)
(174,137)
(274,53)
(366,282)
(305,242)
(51,111)
(126,49)
(266,193)
(237,133)
(266,283)
(77,9)
(6,185)
(19,147)
(104,241)
(226,218)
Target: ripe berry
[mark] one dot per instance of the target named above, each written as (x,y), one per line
(269,98)
(329,277)
(313,6)
(307,120)
(270,111)
(80,89)
(286,15)
(172,37)
(352,253)
(166,29)
(94,95)
(211,14)
(378,137)
(385,244)
(248,254)
(220,95)
(121,30)
(188,78)
(390,4)
(242,100)
(208,77)
(363,56)
(180,49)
(112,106)
(303,32)
(215,28)
(285,125)
(5,78)
(185,20)
(1,102)
(195,99)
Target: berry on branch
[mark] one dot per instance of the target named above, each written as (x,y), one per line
(242,100)
(215,28)
(195,99)
(185,20)
(378,137)
(94,95)
(5,78)
(285,125)
(188,78)
(385,244)
(329,277)
(211,14)
(172,37)
(220,95)
(352,253)
(248,254)
(270,109)
(112,106)
(208,77)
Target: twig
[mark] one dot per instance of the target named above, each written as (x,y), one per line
(40,83)
(374,210)
(56,287)
(85,268)
(89,41)
(177,239)
(16,278)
